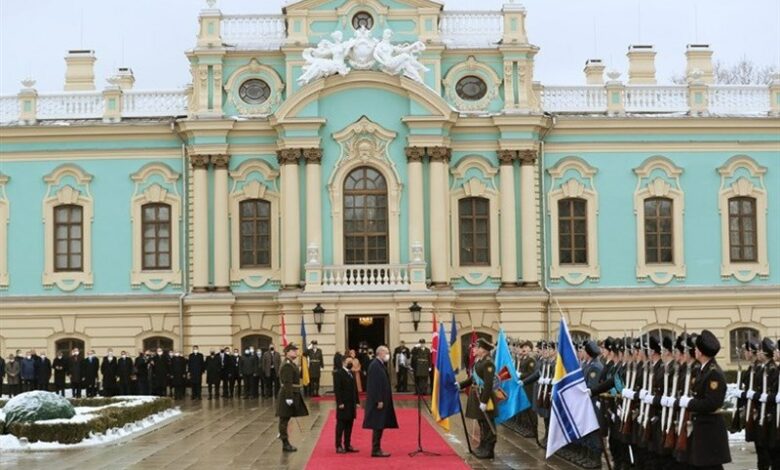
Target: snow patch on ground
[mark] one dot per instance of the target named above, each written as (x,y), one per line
(10,443)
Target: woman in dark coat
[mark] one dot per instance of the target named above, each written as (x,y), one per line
(380,414)
(60,366)
(213,372)
(345,389)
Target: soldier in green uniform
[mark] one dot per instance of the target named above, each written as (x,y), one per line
(290,401)
(481,401)
(314,354)
(529,375)
(421,363)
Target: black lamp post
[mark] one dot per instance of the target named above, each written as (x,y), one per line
(319,314)
(415,310)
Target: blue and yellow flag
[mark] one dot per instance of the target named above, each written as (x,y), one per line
(506,379)
(454,347)
(572,415)
(304,359)
(445,401)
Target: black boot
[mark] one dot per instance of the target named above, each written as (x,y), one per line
(287,447)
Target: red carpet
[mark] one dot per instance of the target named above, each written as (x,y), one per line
(396,397)
(398,442)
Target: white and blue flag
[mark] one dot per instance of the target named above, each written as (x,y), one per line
(572,415)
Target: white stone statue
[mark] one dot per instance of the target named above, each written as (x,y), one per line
(361,56)
(326,59)
(401,59)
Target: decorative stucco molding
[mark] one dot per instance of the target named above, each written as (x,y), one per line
(256,70)
(471,67)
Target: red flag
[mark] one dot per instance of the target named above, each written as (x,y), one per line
(472,355)
(284,333)
(434,341)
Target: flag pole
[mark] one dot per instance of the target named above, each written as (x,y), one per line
(465,429)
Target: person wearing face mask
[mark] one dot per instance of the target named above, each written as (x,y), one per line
(345,389)
(158,372)
(380,413)
(108,369)
(235,376)
(271,364)
(60,366)
(124,369)
(195,368)
(12,369)
(213,373)
(43,372)
(91,368)
(290,402)
(246,365)
(28,373)
(178,375)
(141,368)
(257,374)
(75,364)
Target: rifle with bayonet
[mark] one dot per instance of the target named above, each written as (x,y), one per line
(669,436)
(681,446)
(736,421)
(628,403)
(749,420)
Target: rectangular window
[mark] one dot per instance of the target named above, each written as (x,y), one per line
(255,233)
(738,337)
(658,230)
(742,229)
(573,231)
(474,230)
(68,238)
(156,236)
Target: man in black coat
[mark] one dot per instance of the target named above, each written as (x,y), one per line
(235,374)
(345,389)
(380,413)
(91,367)
(178,375)
(108,369)
(60,366)
(195,368)
(74,370)
(43,372)
(124,369)
(141,367)
(213,372)
(247,365)
(708,444)
(158,373)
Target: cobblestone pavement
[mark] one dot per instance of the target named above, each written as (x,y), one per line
(241,434)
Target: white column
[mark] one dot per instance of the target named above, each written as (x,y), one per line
(507,219)
(414,157)
(439,158)
(200,216)
(221,242)
(291,227)
(313,157)
(528,217)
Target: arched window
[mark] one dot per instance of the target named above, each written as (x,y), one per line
(66,345)
(156,230)
(260,342)
(742,229)
(573,231)
(365,217)
(255,233)
(68,238)
(465,346)
(738,337)
(166,344)
(659,245)
(474,231)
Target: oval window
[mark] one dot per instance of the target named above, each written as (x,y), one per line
(471,88)
(254,91)
(362,19)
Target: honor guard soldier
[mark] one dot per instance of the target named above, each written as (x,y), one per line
(609,384)
(314,354)
(763,424)
(290,401)
(528,371)
(708,442)
(421,363)
(589,447)
(481,401)
(401,356)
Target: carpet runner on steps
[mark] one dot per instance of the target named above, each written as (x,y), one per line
(398,442)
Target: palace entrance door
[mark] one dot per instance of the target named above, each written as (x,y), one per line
(371,329)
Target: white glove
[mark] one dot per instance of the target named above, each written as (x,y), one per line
(642,394)
(648,399)
(667,402)
(457,385)
(763,398)
(777,398)
(684,402)
(628,393)
(750,394)
(590,394)
(483,406)
(289,402)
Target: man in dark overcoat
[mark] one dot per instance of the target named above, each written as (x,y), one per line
(380,413)
(213,373)
(290,402)
(90,367)
(108,370)
(195,369)
(60,365)
(124,370)
(345,389)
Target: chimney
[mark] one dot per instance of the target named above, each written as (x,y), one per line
(79,70)
(123,78)
(699,57)
(641,64)
(594,72)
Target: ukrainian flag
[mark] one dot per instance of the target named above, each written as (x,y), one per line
(572,415)
(454,347)
(445,401)
(304,359)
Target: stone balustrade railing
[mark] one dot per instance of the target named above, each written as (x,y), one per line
(365,277)
(154,103)
(256,32)
(9,108)
(467,29)
(741,99)
(70,105)
(657,99)
(582,99)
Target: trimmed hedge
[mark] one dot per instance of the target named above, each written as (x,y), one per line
(105,419)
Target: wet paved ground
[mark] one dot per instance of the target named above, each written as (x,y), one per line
(241,434)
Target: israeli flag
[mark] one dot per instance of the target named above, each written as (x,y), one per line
(572,415)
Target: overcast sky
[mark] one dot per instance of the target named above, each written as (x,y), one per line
(150,36)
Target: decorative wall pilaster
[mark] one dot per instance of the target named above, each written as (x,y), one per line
(313,159)
(291,235)
(221,227)
(414,158)
(439,161)
(200,231)
(506,160)
(528,218)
